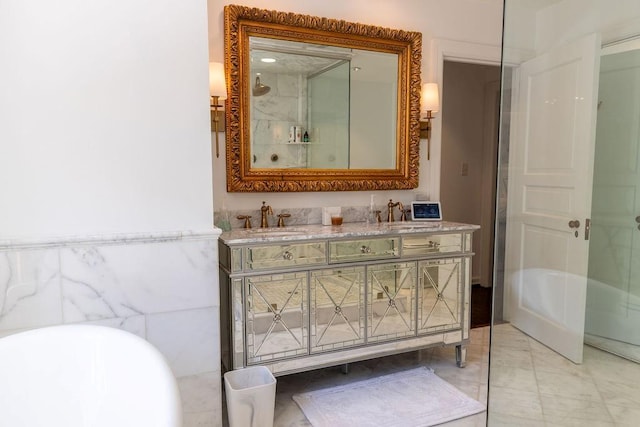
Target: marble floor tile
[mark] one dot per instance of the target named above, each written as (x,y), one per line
(557,408)
(602,391)
(504,401)
(517,379)
(618,394)
(512,357)
(509,420)
(624,416)
(567,385)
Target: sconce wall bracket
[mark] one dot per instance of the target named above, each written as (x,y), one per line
(217,119)
(220,115)
(425,132)
(425,126)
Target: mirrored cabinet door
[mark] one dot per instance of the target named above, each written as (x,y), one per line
(276,316)
(391,301)
(441,293)
(337,308)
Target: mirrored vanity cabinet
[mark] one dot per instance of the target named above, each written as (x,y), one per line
(296,299)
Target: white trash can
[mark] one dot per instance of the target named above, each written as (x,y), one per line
(251,397)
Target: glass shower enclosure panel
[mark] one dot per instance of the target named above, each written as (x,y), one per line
(613,290)
(328,117)
(607,224)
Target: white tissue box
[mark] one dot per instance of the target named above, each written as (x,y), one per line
(327,213)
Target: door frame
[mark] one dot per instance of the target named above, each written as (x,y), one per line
(457,51)
(468,53)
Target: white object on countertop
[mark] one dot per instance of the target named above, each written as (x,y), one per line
(85,375)
(328,212)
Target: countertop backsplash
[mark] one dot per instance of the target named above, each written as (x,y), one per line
(300,216)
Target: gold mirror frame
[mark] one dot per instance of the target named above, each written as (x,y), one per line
(242,22)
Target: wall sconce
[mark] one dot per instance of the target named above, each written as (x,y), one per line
(429,104)
(218,92)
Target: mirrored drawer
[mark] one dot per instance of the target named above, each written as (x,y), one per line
(432,244)
(290,255)
(364,249)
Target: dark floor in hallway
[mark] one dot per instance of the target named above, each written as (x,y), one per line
(480,306)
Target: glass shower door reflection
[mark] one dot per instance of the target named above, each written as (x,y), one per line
(613,290)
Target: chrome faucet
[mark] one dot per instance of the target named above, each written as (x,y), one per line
(264,211)
(391,205)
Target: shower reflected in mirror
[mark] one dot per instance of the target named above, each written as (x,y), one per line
(260,89)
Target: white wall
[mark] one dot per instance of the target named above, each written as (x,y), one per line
(477,21)
(103,117)
(570,19)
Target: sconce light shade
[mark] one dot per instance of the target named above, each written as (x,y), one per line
(429,98)
(217,85)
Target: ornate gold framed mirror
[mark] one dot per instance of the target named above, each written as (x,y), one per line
(318,104)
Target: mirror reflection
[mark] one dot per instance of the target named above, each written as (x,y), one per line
(320,106)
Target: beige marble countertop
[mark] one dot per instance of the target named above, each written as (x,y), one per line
(353,229)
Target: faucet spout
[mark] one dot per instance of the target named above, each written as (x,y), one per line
(264,211)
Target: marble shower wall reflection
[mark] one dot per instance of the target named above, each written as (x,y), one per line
(163,288)
(272,116)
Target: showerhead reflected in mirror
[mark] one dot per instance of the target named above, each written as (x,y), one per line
(260,89)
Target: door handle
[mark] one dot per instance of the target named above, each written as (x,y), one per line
(587,228)
(638,219)
(575,223)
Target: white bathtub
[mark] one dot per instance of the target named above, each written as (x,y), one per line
(85,376)
(612,313)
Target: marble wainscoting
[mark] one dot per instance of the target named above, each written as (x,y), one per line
(162,287)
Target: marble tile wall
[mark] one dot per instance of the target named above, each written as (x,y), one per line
(161,287)
(273,115)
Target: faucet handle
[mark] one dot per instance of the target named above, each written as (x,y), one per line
(247,220)
(378,218)
(281,218)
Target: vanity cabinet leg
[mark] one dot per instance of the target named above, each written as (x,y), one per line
(344,368)
(461,355)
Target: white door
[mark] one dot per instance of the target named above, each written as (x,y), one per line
(549,195)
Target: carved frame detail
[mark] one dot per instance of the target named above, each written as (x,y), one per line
(240,22)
